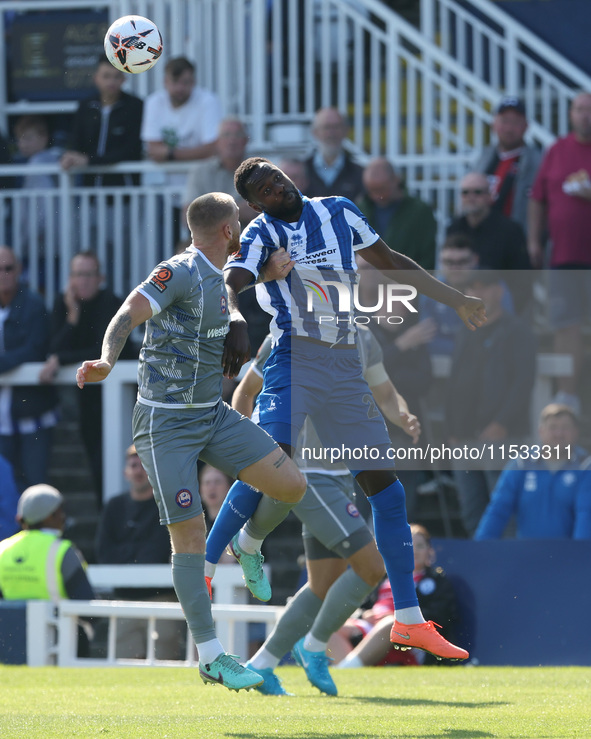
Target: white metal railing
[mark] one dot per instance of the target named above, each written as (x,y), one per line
(118,393)
(52,630)
(228,587)
(498,49)
(130,228)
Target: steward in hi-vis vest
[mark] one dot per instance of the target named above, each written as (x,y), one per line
(36,563)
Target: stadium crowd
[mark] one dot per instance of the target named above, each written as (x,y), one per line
(519,210)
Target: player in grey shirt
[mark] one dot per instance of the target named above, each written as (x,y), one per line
(179,416)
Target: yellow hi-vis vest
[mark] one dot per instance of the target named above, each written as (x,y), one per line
(31,566)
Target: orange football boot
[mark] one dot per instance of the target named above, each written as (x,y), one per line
(425,636)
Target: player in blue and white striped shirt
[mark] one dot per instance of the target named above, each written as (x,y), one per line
(314,368)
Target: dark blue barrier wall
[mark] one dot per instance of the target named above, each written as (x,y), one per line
(522,602)
(13,632)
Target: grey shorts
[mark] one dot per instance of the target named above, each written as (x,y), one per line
(332,525)
(170,441)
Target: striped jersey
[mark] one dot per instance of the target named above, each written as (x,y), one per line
(180,361)
(316,299)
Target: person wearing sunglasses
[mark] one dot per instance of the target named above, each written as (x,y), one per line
(498,240)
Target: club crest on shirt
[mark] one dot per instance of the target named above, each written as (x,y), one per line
(184,498)
(352,510)
(295,242)
(223,304)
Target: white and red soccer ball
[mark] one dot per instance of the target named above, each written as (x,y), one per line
(133,44)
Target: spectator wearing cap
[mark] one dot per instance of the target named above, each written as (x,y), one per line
(511,165)
(36,563)
(488,393)
(498,240)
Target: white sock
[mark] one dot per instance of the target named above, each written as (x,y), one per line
(263,660)
(209,650)
(209,569)
(314,645)
(350,660)
(248,544)
(409,616)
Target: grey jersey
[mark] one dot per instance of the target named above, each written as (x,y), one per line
(180,361)
(370,353)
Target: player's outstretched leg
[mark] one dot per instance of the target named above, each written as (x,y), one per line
(295,621)
(394,541)
(215,666)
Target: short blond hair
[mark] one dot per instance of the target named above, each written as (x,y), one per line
(554,410)
(208,211)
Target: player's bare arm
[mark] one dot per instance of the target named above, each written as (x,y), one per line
(135,310)
(395,409)
(245,394)
(470,310)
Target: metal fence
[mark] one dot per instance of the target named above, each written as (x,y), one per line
(130,228)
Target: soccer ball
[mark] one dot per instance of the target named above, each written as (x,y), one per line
(133,44)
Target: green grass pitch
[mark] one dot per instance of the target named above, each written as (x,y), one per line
(423,702)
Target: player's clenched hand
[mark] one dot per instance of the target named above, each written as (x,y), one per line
(236,348)
(93,370)
(277,266)
(472,312)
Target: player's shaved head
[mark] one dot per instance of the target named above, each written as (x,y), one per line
(207,212)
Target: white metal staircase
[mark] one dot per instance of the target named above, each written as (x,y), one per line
(423,97)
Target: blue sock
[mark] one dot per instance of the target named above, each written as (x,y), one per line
(394,542)
(239,505)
